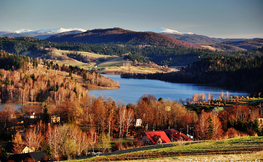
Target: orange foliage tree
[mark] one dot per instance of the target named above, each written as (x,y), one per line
(18,143)
(208,126)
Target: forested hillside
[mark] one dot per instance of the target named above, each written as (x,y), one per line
(121,36)
(23,79)
(178,56)
(240,73)
(249,44)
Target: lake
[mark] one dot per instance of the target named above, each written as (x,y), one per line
(14,105)
(132,89)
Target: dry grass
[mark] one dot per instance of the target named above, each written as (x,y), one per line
(114,63)
(210,48)
(132,69)
(73,63)
(83,53)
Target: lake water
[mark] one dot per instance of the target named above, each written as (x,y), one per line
(13,105)
(132,89)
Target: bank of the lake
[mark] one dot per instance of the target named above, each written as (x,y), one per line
(132,89)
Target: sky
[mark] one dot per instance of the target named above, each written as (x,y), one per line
(214,18)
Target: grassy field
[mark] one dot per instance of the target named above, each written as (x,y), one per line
(233,143)
(111,66)
(131,69)
(244,148)
(113,62)
(83,53)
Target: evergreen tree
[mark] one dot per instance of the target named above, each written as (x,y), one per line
(210,127)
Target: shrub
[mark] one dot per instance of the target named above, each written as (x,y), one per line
(232,132)
(251,132)
(138,142)
(117,146)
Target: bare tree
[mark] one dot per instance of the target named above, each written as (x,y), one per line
(130,117)
(33,138)
(122,115)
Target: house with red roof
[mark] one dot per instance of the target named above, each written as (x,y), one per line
(176,135)
(157,137)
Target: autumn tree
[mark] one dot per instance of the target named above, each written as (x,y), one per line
(69,147)
(99,114)
(129,119)
(185,121)
(104,142)
(121,119)
(202,126)
(217,127)
(53,138)
(111,115)
(195,97)
(33,138)
(93,138)
(18,143)
(208,126)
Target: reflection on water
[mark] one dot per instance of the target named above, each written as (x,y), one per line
(132,89)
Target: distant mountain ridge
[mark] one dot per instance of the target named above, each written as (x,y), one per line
(168,31)
(121,36)
(226,44)
(41,34)
(149,37)
(190,37)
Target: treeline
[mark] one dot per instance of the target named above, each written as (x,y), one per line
(85,122)
(232,122)
(13,62)
(37,86)
(240,73)
(161,55)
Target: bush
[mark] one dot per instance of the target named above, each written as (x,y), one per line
(232,132)
(129,145)
(117,146)
(137,142)
(251,132)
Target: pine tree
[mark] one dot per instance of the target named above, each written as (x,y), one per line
(210,127)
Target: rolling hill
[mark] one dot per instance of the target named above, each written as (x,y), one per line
(248,44)
(226,44)
(121,36)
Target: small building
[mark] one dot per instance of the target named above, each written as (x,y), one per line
(16,158)
(27,150)
(29,157)
(260,123)
(175,135)
(36,156)
(156,137)
(10,148)
(55,119)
